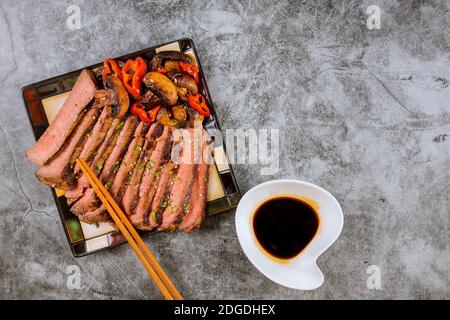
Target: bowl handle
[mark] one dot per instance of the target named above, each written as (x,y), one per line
(311,276)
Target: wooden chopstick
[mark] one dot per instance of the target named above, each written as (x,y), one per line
(129,232)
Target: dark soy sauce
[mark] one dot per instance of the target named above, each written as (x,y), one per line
(284,226)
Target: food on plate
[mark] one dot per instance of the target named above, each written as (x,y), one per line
(58,171)
(55,135)
(132,74)
(157,60)
(121,105)
(198,103)
(125,131)
(162,86)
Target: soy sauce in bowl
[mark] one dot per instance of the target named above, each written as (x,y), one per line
(284,226)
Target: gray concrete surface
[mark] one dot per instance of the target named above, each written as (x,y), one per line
(363,113)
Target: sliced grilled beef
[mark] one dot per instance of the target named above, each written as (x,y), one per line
(141,204)
(97,215)
(95,138)
(61,127)
(128,163)
(58,171)
(89,201)
(161,197)
(181,183)
(132,190)
(85,203)
(87,198)
(105,149)
(195,203)
(112,164)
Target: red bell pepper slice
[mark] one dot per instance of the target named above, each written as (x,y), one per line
(162,70)
(198,102)
(138,109)
(111,66)
(190,70)
(153,113)
(133,73)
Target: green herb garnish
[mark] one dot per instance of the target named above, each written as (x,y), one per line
(153,214)
(116,166)
(120,125)
(107,185)
(98,167)
(138,148)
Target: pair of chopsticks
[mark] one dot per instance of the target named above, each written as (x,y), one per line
(129,232)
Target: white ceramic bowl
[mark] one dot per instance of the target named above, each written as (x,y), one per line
(300,272)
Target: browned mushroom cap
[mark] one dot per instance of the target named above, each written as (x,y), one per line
(187,82)
(172,55)
(105,97)
(150,99)
(163,117)
(123,100)
(179,113)
(172,65)
(162,87)
(193,117)
(182,93)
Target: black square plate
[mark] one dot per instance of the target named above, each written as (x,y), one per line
(41,97)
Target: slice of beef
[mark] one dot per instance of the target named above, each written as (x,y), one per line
(195,203)
(88,198)
(181,184)
(88,202)
(108,170)
(105,149)
(161,197)
(97,215)
(155,134)
(73,195)
(58,171)
(61,127)
(112,164)
(129,162)
(96,136)
(94,140)
(142,203)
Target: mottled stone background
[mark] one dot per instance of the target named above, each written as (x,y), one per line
(363,113)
